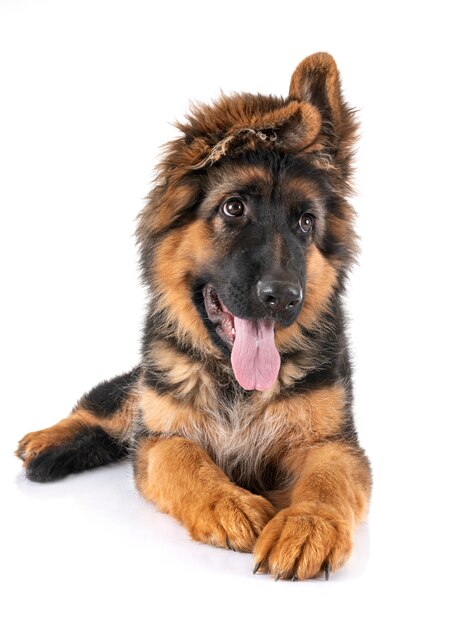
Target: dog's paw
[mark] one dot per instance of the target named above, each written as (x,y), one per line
(35,443)
(32,444)
(234,520)
(303,541)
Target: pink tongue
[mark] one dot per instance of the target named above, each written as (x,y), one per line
(255,359)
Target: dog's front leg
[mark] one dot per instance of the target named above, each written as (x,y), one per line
(181,479)
(314,534)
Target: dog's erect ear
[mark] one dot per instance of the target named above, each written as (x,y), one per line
(316,81)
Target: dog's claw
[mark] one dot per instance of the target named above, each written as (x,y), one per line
(229,545)
(256,567)
(277,577)
(327,569)
(294,578)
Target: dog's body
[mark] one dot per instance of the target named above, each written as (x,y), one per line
(241,406)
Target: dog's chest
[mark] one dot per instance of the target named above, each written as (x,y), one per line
(247,443)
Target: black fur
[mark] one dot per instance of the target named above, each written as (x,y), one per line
(148,246)
(109,396)
(326,352)
(90,448)
(249,241)
(271,477)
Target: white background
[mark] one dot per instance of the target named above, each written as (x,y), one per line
(88,89)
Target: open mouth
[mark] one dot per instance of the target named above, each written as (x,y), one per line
(219,315)
(254,357)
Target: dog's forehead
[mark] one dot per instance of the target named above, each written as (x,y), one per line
(262,179)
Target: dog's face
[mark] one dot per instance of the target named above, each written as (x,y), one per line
(264,211)
(248,234)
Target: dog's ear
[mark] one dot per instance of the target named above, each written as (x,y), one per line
(316,81)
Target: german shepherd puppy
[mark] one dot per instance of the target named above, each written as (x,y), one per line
(239,417)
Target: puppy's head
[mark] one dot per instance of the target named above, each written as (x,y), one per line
(247,233)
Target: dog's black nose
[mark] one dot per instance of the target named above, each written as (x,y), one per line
(279,296)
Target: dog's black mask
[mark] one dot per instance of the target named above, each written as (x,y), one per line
(264,209)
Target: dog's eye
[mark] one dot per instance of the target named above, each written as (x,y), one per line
(233,207)
(306,222)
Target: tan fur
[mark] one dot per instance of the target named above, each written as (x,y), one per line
(195,443)
(338,475)
(243,438)
(242,176)
(176,197)
(316,414)
(177,256)
(166,414)
(187,250)
(32,444)
(118,426)
(189,377)
(293,126)
(321,280)
(328,499)
(201,443)
(212,508)
(314,69)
